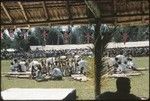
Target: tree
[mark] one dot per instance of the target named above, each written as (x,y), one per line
(33,40)
(6,42)
(101,40)
(79,34)
(20,43)
(52,37)
(135,33)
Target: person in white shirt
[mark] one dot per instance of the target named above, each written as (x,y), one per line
(130,64)
(23,67)
(121,67)
(82,66)
(34,64)
(121,58)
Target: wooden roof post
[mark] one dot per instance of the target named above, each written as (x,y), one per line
(98,55)
(68,7)
(97,58)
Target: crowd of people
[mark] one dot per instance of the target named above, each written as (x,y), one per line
(45,53)
(53,67)
(111,52)
(59,63)
(122,64)
(133,51)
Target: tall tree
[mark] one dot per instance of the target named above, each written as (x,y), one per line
(6,41)
(101,40)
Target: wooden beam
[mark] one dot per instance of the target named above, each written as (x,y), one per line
(29,26)
(49,21)
(124,15)
(23,11)
(45,10)
(75,21)
(50,6)
(115,11)
(68,9)
(6,12)
(134,20)
(93,7)
(143,11)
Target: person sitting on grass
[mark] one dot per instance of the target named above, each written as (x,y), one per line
(121,68)
(38,75)
(130,64)
(12,67)
(82,66)
(56,73)
(17,66)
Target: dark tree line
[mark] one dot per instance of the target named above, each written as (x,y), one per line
(135,33)
(55,36)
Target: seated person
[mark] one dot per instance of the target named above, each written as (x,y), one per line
(121,68)
(82,66)
(12,67)
(38,74)
(121,58)
(17,66)
(56,74)
(115,61)
(33,72)
(130,64)
(23,66)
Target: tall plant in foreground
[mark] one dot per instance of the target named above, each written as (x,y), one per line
(100,44)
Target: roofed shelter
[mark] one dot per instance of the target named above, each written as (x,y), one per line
(48,13)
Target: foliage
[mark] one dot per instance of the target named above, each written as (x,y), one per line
(79,34)
(135,33)
(52,36)
(6,42)
(101,40)
(55,36)
(20,43)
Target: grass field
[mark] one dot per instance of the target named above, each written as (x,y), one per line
(85,90)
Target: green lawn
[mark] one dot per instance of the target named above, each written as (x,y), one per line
(85,90)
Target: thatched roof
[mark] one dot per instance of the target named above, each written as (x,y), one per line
(38,13)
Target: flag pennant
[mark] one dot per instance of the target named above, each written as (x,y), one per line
(125,37)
